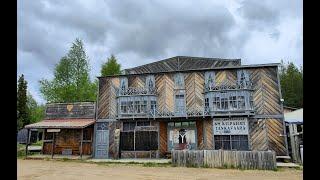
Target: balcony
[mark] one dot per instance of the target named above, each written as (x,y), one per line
(133,91)
(245,85)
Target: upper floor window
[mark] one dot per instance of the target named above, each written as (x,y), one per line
(209,79)
(179,80)
(150,82)
(123,83)
(243,77)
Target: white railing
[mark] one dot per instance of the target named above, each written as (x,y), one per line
(229,86)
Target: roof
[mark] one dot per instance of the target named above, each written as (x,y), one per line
(182,63)
(206,69)
(292,108)
(294,116)
(62,123)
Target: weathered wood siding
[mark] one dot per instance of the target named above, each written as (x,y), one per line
(258,135)
(107,104)
(69,139)
(113,144)
(226,77)
(208,133)
(165,89)
(275,136)
(163,146)
(194,84)
(266,95)
(136,81)
(200,142)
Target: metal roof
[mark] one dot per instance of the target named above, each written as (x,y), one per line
(294,116)
(62,123)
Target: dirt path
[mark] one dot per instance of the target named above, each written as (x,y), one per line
(41,169)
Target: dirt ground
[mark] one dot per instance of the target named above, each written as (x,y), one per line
(42,169)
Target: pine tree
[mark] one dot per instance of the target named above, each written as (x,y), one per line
(111,67)
(22,109)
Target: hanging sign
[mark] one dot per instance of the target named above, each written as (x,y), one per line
(230,127)
(53,130)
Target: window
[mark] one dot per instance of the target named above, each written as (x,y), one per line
(241,102)
(231,142)
(87,134)
(144,107)
(123,107)
(124,83)
(150,82)
(171,124)
(48,136)
(233,102)
(224,103)
(130,107)
(153,105)
(209,79)
(179,81)
(129,126)
(206,104)
(126,141)
(137,106)
(146,140)
(216,103)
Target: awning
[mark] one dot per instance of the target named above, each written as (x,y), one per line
(294,116)
(61,123)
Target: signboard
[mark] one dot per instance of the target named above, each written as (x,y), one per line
(53,130)
(70,110)
(146,128)
(230,127)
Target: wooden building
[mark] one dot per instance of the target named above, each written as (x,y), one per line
(189,103)
(68,128)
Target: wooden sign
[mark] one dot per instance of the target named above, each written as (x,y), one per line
(230,127)
(70,110)
(53,130)
(146,128)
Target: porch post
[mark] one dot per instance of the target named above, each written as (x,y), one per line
(43,133)
(81,143)
(52,148)
(27,142)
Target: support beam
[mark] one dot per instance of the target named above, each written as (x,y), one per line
(28,139)
(81,140)
(43,134)
(53,143)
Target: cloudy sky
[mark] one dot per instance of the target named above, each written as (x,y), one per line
(140,32)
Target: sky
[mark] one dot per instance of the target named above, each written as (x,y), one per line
(140,32)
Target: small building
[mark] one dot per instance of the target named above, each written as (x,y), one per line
(68,128)
(294,128)
(34,136)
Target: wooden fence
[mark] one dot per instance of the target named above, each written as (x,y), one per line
(225,159)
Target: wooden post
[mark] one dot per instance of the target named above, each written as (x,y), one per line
(81,143)
(52,148)
(43,133)
(27,142)
(134,143)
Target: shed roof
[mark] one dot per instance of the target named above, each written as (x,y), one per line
(62,123)
(294,116)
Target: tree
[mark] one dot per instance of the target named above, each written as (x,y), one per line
(71,81)
(22,109)
(291,79)
(111,67)
(35,112)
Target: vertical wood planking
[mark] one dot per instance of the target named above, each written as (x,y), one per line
(208,130)
(199,124)
(163,137)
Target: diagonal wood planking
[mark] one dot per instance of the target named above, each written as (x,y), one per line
(165,90)
(194,84)
(266,96)
(275,136)
(107,104)
(136,81)
(258,135)
(226,77)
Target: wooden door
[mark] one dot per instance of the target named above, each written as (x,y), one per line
(102,140)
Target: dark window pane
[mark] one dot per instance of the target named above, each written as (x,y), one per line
(226,145)
(235,145)
(217,138)
(217,145)
(126,126)
(226,138)
(126,141)
(243,138)
(132,125)
(244,145)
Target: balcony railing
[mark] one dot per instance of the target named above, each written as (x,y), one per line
(229,86)
(193,112)
(132,91)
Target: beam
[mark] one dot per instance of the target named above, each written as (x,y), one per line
(28,132)
(81,140)
(52,147)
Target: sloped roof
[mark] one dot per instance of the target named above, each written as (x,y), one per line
(61,123)
(182,63)
(294,116)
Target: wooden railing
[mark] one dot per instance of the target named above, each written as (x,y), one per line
(228,86)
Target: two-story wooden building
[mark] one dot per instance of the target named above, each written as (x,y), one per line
(189,103)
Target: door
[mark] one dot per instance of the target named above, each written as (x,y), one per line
(102,140)
(180,104)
